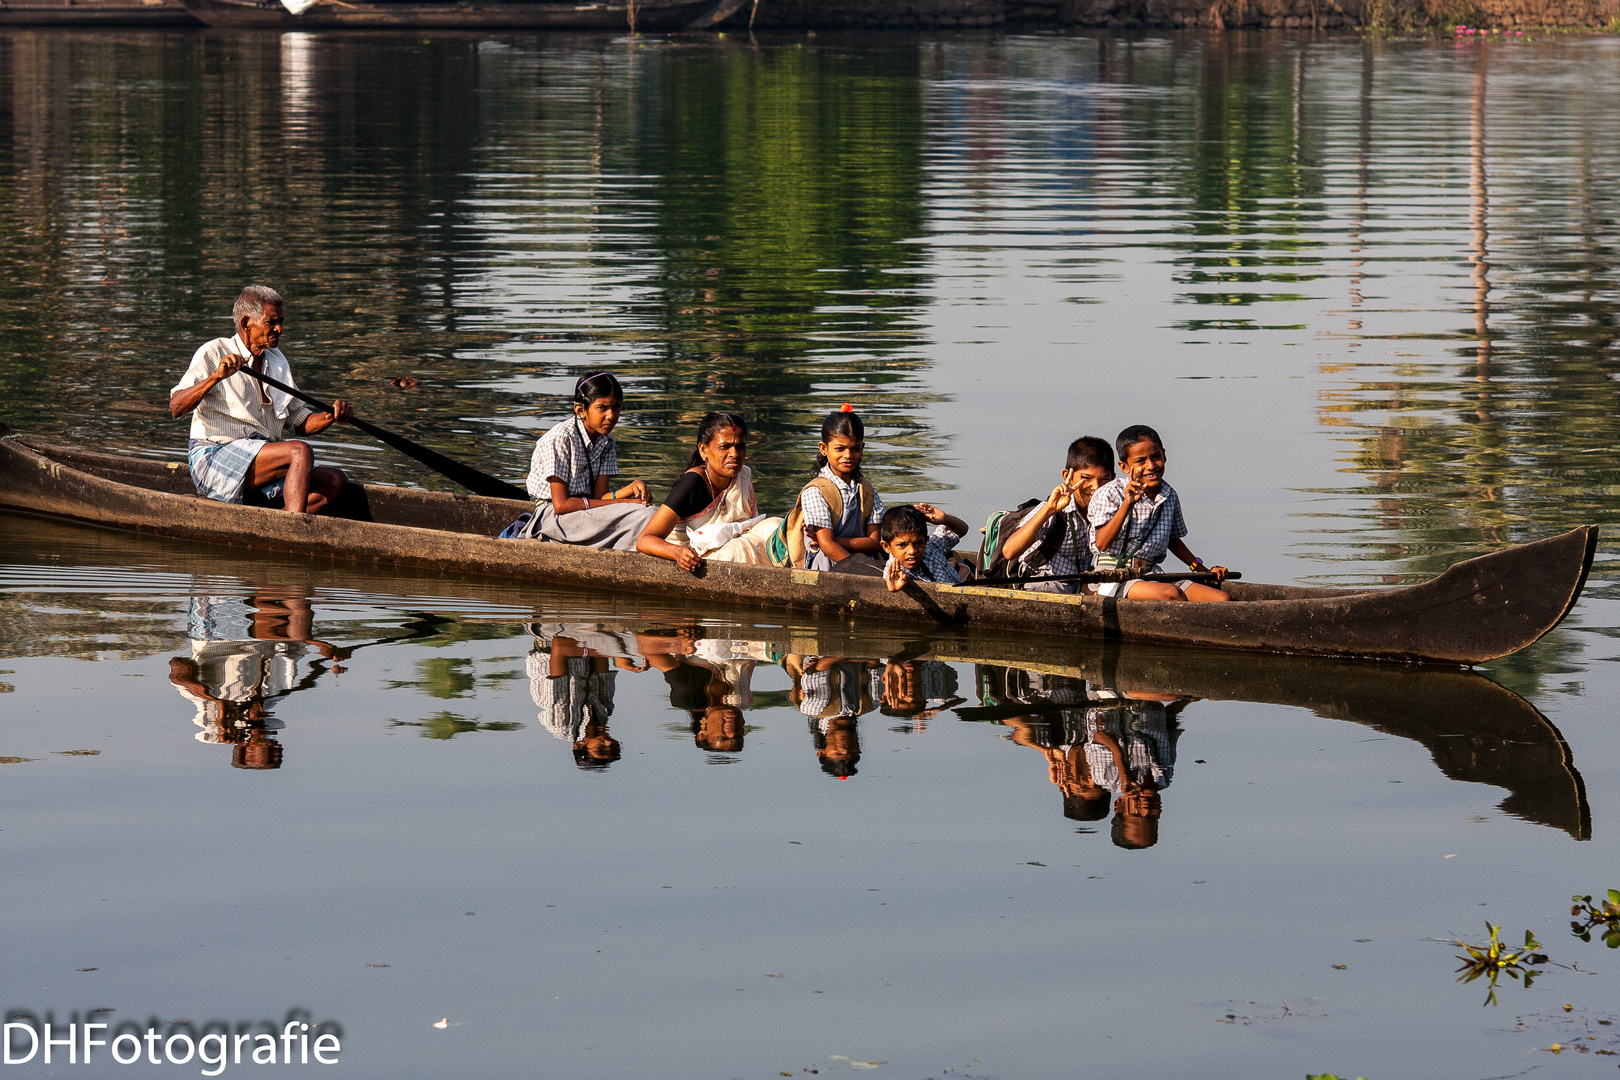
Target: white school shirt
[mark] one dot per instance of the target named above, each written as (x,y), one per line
(235,408)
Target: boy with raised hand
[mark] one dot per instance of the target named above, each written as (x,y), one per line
(1054,539)
(1137,519)
(913,552)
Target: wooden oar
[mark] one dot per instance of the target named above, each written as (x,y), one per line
(1107,576)
(479,483)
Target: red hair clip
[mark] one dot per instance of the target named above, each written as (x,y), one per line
(847,407)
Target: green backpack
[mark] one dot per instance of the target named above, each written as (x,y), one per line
(1002,524)
(786,546)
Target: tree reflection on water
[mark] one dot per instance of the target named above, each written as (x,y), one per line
(751,225)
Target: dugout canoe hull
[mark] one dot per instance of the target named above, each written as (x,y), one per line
(652,16)
(1478,610)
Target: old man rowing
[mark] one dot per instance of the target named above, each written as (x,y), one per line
(236,444)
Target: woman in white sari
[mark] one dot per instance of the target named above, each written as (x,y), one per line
(711,512)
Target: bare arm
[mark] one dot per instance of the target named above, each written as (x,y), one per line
(935,516)
(837,548)
(829,545)
(1031,526)
(1108,533)
(654,541)
(564,503)
(865,545)
(184,400)
(319,422)
(1180,550)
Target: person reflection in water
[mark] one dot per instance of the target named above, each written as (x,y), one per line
(834,692)
(710,679)
(571,678)
(1059,734)
(1131,749)
(917,690)
(245,654)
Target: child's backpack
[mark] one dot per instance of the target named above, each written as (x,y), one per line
(1002,524)
(786,545)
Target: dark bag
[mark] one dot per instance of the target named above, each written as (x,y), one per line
(1002,524)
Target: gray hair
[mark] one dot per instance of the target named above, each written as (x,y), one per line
(253,301)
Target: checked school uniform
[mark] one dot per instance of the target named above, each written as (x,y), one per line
(1145,537)
(569,702)
(818,515)
(235,419)
(934,567)
(1073,554)
(574,456)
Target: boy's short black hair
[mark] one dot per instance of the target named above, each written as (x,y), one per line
(1086,807)
(1133,435)
(902,521)
(1087,452)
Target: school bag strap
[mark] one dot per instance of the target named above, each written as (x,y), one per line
(786,546)
(1051,540)
(1127,553)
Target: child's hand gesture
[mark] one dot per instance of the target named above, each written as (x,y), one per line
(894,575)
(932,514)
(1134,490)
(636,490)
(1058,501)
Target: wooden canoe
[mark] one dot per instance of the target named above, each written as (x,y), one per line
(653,16)
(95,13)
(1478,610)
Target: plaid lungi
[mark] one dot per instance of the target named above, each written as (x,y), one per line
(219,469)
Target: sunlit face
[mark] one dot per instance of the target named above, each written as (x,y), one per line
(843,455)
(1144,461)
(725,453)
(601,415)
(600,746)
(907,549)
(263,332)
(722,729)
(843,743)
(1083,483)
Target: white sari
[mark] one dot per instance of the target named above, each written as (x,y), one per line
(731,528)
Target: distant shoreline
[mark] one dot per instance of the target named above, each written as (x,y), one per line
(1372,15)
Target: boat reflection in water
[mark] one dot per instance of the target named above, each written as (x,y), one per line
(1106,720)
(245,655)
(833,693)
(1103,748)
(1476,730)
(572,673)
(711,680)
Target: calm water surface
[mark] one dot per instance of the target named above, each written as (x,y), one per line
(1366,290)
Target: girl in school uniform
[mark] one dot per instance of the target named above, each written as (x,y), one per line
(711,512)
(570,472)
(838,465)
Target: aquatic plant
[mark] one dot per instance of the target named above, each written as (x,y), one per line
(1606,914)
(1494,959)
